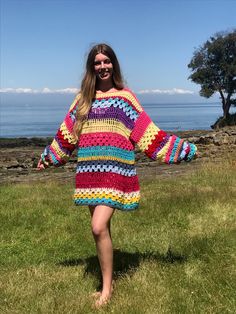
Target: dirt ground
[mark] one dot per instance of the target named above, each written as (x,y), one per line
(18,161)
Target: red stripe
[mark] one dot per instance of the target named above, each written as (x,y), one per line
(159,137)
(64,142)
(107,180)
(105,139)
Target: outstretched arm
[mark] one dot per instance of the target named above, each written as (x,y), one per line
(157,144)
(63,143)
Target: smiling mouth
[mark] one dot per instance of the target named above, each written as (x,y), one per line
(104,73)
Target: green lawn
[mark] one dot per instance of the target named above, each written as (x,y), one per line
(176,254)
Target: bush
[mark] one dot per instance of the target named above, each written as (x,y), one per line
(222,122)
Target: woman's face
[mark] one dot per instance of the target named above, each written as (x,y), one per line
(103,67)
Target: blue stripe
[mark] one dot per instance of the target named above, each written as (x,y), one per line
(192,152)
(177,141)
(105,201)
(54,160)
(106,166)
(114,163)
(106,151)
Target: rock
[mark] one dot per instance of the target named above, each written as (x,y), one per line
(8,164)
(193,139)
(19,157)
(225,136)
(205,140)
(24,142)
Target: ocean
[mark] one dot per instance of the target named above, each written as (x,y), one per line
(31,119)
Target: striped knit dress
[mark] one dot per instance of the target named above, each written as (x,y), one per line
(105,172)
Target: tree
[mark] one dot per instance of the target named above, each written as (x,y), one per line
(214,68)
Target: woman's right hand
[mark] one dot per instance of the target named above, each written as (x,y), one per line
(40,165)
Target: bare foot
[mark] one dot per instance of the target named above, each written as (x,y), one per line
(96,294)
(103,297)
(102,301)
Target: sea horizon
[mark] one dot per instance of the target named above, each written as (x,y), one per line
(23,118)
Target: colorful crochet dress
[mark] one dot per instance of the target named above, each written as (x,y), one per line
(105,172)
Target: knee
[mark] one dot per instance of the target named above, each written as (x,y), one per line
(99,230)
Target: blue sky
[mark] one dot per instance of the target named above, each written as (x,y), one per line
(44,42)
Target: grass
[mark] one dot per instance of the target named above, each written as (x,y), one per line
(176,254)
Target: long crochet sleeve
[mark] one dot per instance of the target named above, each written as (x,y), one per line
(157,144)
(64,142)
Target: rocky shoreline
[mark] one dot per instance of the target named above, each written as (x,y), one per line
(19,157)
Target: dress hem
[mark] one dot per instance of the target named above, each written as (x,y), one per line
(106,204)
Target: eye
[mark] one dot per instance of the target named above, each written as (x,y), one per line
(97,62)
(107,61)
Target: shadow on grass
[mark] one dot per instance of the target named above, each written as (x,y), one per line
(125,262)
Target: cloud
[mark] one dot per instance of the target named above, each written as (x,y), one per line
(172,91)
(18,90)
(73,90)
(45,90)
(68,90)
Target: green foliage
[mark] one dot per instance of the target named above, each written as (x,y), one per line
(173,255)
(213,66)
(233,102)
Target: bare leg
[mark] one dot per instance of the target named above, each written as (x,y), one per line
(101,216)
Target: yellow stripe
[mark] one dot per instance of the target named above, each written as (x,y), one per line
(162,153)
(148,136)
(132,99)
(67,134)
(124,199)
(77,97)
(107,190)
(58,150)
(105,125)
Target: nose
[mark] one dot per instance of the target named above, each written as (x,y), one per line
(102,65)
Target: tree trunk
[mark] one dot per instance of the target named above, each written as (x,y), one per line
(227,106)
(226,103)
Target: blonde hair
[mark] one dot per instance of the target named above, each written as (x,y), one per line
(88,84)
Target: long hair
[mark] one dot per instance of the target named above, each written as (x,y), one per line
(88,84)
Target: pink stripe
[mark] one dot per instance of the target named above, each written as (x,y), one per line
(55,154)
(108,180)
(105,139)
(69,123)
(171,144)
(140,127)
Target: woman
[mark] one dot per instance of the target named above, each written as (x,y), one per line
(104,123)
